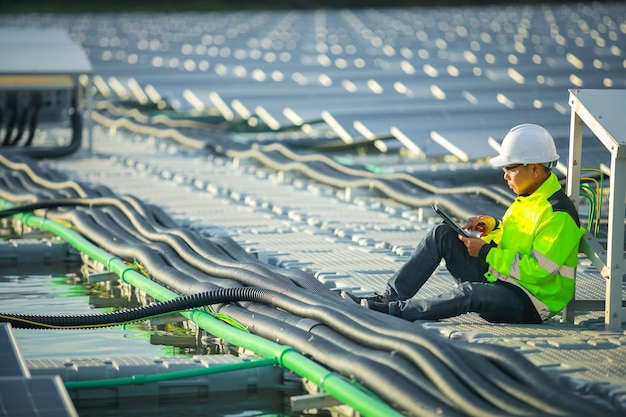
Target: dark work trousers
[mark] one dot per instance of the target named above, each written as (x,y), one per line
(496,302)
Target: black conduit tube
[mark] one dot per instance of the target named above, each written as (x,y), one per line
(465,400)
(330,172)
(111,242)
(286,329)
(200,271)
(480,367)
(194,270)
(203,261)
(221,250)
(571,409)
(35,103)
(11,106)
(21,125)
(301,278)
(326,170)
(180,240)
(227,295)
(25,165)
(151,257)
(282,332)
(445,354)
(516,368)
(76,122)
(391,386)
(203,255)
(22,186)
(454,379)
(10,190)
(152,213)
(186,302)
(303,339)
(38,205)
(108,228)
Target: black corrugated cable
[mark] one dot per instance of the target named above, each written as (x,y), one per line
(12,107)
(21,125)
(201,255)
(387,374)
(76,123)
(39,321)
(35,108)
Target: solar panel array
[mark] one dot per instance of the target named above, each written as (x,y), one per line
(439,81)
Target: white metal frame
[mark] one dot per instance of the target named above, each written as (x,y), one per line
(604,113)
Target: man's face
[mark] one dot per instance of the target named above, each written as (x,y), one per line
(520,178)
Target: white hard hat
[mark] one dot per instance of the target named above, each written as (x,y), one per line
(527,144)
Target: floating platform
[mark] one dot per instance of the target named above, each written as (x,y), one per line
(308,145)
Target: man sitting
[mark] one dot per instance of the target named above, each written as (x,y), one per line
(520,270)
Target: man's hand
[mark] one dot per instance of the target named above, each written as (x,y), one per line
(473,244)
(482,224)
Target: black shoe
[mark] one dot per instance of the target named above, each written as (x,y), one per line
(375,305)
(376,297)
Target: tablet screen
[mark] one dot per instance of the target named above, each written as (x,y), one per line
(449,221)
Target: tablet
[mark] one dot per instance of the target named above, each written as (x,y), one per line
(448,220)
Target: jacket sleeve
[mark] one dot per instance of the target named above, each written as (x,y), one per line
(494,236)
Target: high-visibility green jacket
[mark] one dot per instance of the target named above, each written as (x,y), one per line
(535,247)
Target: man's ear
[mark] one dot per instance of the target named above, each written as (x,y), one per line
(536,170)
(539,169)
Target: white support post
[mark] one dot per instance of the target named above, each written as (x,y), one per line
(615,249)
(574,157)
(602,112)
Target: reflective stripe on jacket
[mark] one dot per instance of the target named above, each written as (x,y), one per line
(537,247)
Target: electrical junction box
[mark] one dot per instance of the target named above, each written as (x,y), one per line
(40,78)
(51,95)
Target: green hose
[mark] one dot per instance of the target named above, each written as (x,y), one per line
(168,376)
(335,385)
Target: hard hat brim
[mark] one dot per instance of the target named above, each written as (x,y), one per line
(498,161)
